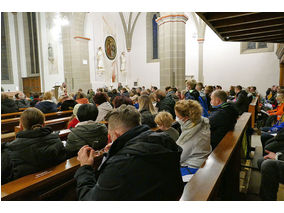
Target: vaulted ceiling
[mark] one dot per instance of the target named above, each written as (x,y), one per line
(246,26)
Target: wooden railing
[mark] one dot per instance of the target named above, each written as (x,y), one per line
(56,183)
(8,125)
(218,178)
(253,109)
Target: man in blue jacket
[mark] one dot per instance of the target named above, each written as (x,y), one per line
(222,118)
(140,165)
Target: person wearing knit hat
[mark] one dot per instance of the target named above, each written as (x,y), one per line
(74,120)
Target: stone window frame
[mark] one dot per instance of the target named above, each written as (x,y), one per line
(149,38)
(9,55)
(244,50)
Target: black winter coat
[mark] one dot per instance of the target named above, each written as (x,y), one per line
(140,165)
(242,102)
(167,104)
(8,106)
(22,103)
(30,152)
(147,118)
(68,105)
(222,120)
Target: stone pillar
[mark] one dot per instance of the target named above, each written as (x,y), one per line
(200,76)
(281,78)
(172,49)
(77,74)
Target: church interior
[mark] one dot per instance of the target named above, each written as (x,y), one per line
(68,71)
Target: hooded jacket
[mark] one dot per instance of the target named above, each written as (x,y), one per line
(140,165)
(46,106)
(8,106)
(195,142)
(86,133)
(30,152)
(222,119)
(103,109)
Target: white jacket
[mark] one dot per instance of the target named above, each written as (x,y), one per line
(195,142)
(104,109)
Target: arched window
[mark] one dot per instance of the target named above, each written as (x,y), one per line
(152,29)
(155,36)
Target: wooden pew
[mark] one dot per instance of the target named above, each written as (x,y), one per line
(253,109)
(11,115)
(8,125)
(8,137)
(51,184)
(218,177)
(55,124)
(56,183)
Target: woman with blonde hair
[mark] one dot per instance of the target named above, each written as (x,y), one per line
(34,149)
(147,111)
(195,136)
(47,105)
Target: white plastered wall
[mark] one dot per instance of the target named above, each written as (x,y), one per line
(224,65)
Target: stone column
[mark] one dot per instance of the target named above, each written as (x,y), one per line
(172,49)
(200,76)
(77,74)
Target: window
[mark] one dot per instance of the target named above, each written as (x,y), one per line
(152,35)
(256,47)
(6,67)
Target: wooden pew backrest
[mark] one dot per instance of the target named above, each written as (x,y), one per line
(18,189)
(204,182)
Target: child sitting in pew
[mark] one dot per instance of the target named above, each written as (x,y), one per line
(164,120)
(34,149)
(87,132)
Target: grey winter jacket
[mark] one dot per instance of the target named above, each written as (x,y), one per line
(195,142)
(104,109)
(86,133)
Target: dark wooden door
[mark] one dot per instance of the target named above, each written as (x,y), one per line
(31,84)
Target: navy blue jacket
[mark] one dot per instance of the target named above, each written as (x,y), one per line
(222,120)
(46,106)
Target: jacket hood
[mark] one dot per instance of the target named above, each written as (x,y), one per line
(192,129)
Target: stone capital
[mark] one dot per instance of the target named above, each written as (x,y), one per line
(172,18)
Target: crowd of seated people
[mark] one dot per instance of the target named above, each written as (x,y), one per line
(272,138)
(191,123)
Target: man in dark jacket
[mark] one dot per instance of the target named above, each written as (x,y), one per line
(140,165)
(272,173)
(8,105)
(31,151)
(165,103)
(222,118)
(242,100)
